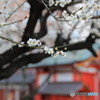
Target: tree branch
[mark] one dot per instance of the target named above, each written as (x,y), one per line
(82,45)
(35,14)
(20,62)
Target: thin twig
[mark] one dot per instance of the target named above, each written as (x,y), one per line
(13,22)
(96,17)
(69,44)
(17,3)
(15,10)
(10,40)
(48,9)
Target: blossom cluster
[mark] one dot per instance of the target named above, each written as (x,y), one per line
(71,17)
(85,13)
(54,54)
(21,44)
(33,42)
(61,3)
(59,53)
(95,31)
(48,50)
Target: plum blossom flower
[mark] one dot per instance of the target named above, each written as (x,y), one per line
(51,3)
(57,2)
(62,53)
(48,50)
(38,42)
(64,13)
(96,6)
(74,18)
(68,1)
(56,54)
(59,53)
(62,3)
(33,42)
(20,45)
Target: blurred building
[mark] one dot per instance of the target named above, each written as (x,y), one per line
(18,85)
(55,78)
(63,80)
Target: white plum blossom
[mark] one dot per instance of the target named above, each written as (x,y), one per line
(95,31)
(74,18)
(64,13)
(56,54)
(33,42)
(21,44)
(38,42)
(62,3)
(62,53)
(96,7)
(88,16)
(68,1)
(48,50)
(57,2)
(84,13)
(51,3)
(59,53)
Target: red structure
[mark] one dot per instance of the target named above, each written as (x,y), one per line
(78,77)
(63,80)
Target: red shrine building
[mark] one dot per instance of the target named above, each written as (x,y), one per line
(56,82)
(63,80)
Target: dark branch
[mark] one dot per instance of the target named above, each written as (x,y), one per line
(88,44)
(35,13)
(20,62)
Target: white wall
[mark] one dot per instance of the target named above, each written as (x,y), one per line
(65,77)
(43,77)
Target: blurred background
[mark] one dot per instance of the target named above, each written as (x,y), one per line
(50,78)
